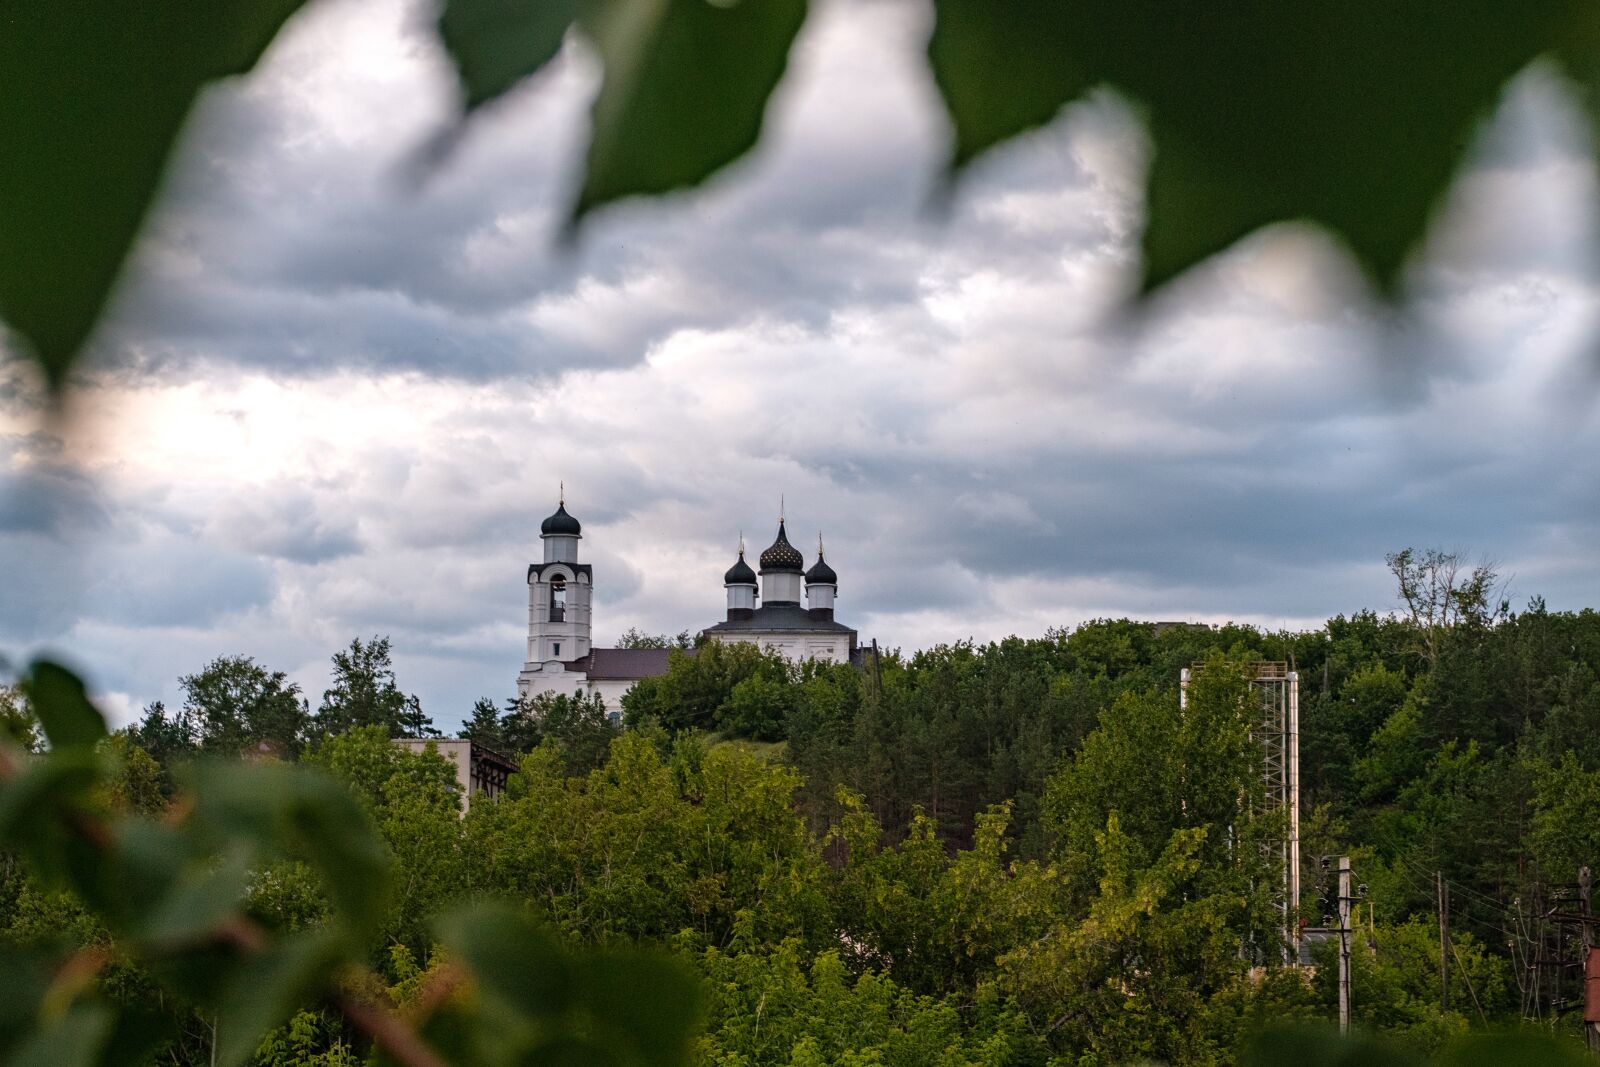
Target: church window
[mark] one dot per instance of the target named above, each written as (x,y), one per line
(558,600)
(557,647)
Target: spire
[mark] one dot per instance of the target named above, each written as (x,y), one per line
(561,524)
(740,573)
(820,573)
(562,499)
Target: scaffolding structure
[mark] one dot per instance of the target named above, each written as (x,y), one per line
(1275,725)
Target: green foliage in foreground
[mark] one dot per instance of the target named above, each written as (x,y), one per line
(162,907)
(1352,114)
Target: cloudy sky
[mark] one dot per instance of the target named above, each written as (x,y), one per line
(339,395)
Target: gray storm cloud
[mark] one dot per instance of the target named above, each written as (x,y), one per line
(338,397)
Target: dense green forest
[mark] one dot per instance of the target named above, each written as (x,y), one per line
(1015,853)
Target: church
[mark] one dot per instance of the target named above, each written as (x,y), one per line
(763,608)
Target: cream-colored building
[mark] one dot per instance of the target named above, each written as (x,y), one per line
(480,771)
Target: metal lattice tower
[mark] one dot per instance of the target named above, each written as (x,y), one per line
(1275,725)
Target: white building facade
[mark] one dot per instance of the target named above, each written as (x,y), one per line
(561,657)
(785,608)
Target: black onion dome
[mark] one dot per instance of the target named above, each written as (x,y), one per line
(740,573)
(781,555)
(560,524)
(821,574)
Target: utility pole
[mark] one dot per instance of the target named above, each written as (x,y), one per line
(1591,965)
(1441,890)
(1344,944)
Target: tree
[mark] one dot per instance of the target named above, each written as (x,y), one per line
(697,690)
(166,738)
(18,723)
(633,637)
(577,724)
(645,848)
(415,800)
(155,917)
(483,725)
(1440,592)
(364,693)
(234,704)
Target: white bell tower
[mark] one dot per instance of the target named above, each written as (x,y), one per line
(559,593)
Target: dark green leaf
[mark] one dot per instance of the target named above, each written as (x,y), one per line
(1004,66)
(59,698)
(569,1051)
(1321,1046)
(76,1039)
(1350,113)
(685,90)
(196,896)
(649,1005)
(267,989)
(24,978)
(95,95)
(136,1037)
(1524,1049)
(297,813)
(497,43)
(518,963)
(34,808)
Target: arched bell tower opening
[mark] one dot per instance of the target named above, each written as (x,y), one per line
(559,593)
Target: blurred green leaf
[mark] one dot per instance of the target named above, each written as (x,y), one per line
(135,1038)
(497,43)
(268,988)
(1354,115)
(196,902)
(33,806)
(95,97)
(61,702)
(649,1005)
(518,963)
(1321,1046)
(78,1038)
(569,1051)
(1003,67)
(634,1007)
(24,977)
(1350,113)
(299,814)
(1514,1049)
(685,89)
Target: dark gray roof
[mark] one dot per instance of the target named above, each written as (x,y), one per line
(621,664)
(740,573)
(560,524)
(781,616)
(781,555)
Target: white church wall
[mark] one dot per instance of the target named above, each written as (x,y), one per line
(795,646)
